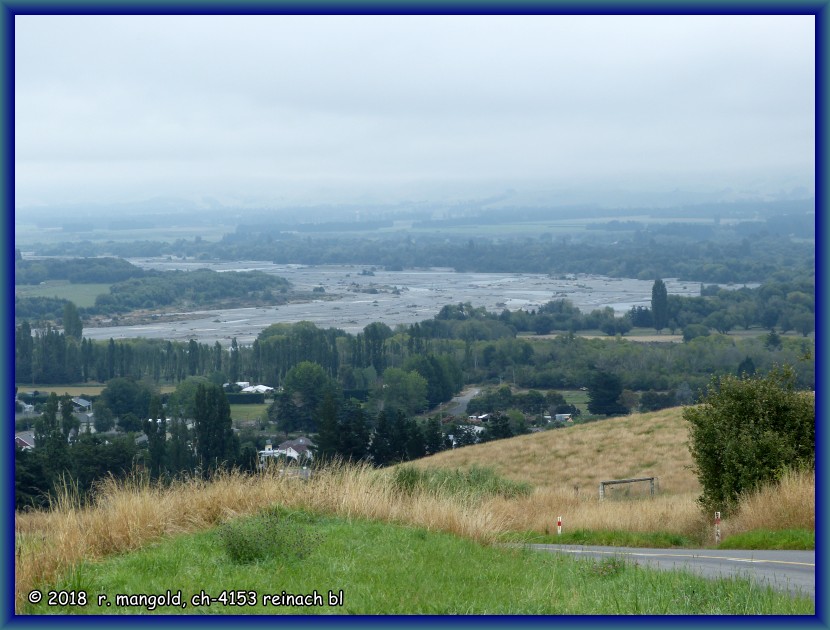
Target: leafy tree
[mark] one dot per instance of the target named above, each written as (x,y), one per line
(465,435)
(746,367)
(305,387)
(747,432)
(380,449)
(72,326)
(659,305)
(182,402)
(23,353)
(248,457)
(126,395)
(130,423)
(94,458)
(543,324)
(692,331)
(327,441)
(640,316)
(375,336)
(401,390)
(439,372)
(354,431)
(68,419)
(772,341)
(192,357)
(216,444)
(654,401)
(51,444)
(414,445)
(720,321)
(180,455)
(629,399)
(604,390)
(433,437)
(498,428)
(104,420)
(30,483)
(803,322)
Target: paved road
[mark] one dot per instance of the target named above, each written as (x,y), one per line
(792,571)
(458,405)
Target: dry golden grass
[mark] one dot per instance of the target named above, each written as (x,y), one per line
(564,466)
(131,514)
(640,445)
(79,390)
(674,514)
(789,504)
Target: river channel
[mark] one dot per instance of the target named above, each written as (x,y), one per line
(354,296)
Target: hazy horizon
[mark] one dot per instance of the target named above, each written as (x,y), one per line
(281,110)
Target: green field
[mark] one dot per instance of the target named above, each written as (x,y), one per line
(248,412)
(82,295)
(377,568)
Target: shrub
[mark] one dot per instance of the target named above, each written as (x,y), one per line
(271,535)
(747,432)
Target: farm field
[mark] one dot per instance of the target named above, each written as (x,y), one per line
(243,413)
(83,295)
(78,390)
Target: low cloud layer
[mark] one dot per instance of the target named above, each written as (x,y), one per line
(120,108)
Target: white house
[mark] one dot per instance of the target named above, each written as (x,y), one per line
(257,389)
(298,450)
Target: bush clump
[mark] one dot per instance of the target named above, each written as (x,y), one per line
(271,535)
(749,432)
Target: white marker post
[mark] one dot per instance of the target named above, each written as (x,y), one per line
(559,525)
(717,528)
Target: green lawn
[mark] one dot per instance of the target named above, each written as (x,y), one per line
(249,566)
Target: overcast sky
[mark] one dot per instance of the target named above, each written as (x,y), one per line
(117,108)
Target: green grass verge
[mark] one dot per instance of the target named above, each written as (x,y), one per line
(793,539)
(607,538)
(391,569)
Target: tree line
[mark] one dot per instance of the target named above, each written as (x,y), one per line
(65,453)
(462,344)
(750,252)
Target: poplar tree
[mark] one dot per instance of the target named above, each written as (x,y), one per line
(72,326)
(659,305)
(216,444)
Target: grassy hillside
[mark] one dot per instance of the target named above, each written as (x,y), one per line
(51,545)
(640,445)
(565,466)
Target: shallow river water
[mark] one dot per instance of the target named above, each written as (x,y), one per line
(355,299)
